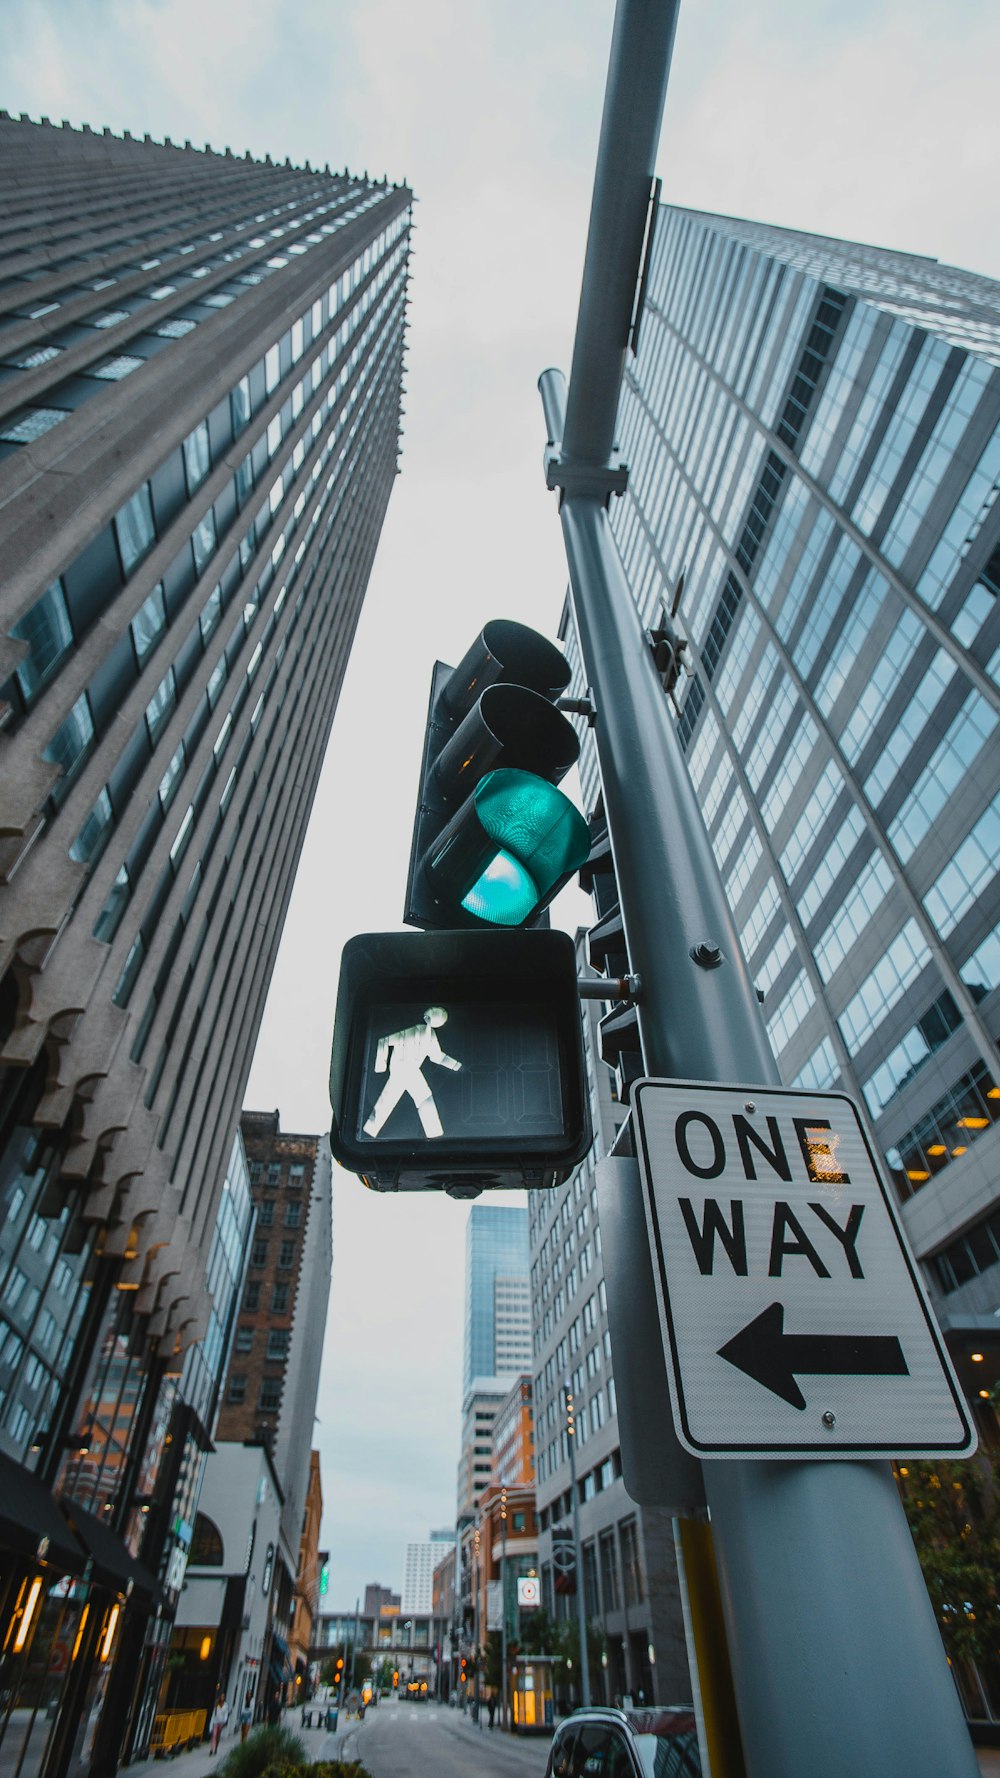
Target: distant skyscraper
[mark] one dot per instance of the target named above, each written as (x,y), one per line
(418,1573)
(200,378)
(497,1300)
(497,1336)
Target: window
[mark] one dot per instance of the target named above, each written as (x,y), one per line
(258,1254)
(160,705)
(277,1342)
(237,1389)
(251,1296)
(114,369)
(269,1399)
(203,540)
(148,625)
(279,1299)
(71,741)
(274,1173)
(90,840)
(47,631)
(631,1568)
(197,456)
(293,1215)
(134,528)
(244,1339)
(31,423)
(286,1256)
(265,1213)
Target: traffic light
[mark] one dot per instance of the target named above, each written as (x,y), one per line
(493,839)
(457,1061)
(395,1678)
(462,1674)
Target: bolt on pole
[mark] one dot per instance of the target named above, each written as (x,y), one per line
(824,1600)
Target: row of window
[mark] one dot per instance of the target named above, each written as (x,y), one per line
(269,1394)
(294,1172)
(60,399)
(947,1130)
(123,888)
(197,997)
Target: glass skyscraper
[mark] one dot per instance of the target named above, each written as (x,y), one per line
(497,1309)
(201,365)
(812,429)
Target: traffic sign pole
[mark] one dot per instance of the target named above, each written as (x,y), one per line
(825,1605)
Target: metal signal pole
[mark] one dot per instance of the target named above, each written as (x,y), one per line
(581,1602)
(826,1610)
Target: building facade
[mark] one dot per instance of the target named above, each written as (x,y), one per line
(418,1572)
(632,1596)
(513,1438)
(497,1301)
(814,436)
(200,378)
(269,1401)
(497,1345)
(812,429)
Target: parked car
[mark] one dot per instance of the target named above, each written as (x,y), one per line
(658,1741)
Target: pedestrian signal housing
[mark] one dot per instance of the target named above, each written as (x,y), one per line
(493,838)
(457,1061)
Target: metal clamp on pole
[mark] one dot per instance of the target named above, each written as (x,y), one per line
(623,989)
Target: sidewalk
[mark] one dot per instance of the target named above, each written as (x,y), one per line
(198,1763)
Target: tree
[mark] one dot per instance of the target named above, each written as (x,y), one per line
(954,1515)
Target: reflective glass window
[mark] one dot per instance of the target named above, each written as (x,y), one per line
(197,456)
(47,630)
(148,625)
(134,528)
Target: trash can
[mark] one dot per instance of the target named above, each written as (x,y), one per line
(331,1719)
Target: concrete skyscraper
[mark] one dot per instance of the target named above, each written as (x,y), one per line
(200,380)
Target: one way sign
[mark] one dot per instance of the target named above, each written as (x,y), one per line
(794,1320)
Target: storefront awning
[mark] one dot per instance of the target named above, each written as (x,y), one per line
(31,1523)
(114,1565)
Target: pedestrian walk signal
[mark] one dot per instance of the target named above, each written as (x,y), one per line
(493,838)
(457,1061)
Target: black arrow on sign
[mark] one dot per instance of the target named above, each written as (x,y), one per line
(763,1351)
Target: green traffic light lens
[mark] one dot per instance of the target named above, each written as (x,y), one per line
(505,893)
(512,843)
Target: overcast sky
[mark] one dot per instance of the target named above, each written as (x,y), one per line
(865,118)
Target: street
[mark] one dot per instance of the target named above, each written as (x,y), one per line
(431,1741)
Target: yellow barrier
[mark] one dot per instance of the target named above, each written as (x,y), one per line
(175,1729)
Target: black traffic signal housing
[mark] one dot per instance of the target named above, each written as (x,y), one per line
(457,1061)
(493,839)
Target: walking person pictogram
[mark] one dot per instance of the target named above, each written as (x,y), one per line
(404,1054)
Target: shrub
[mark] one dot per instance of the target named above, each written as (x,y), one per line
(265,1749)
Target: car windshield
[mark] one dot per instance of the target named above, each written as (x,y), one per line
(667,1743)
